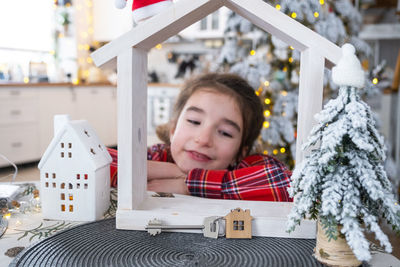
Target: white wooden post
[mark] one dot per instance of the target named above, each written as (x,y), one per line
(132,138)
(310,96)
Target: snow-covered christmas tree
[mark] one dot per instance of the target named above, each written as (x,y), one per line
(342,181)
(272,66)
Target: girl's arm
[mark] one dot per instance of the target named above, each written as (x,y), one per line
(177,186)
(163,170)
(256,178)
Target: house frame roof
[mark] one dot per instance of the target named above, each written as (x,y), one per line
(184,13)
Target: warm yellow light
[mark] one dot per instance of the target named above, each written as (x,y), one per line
(252,52)
(283,150)
(266,83)
(290,59)
(265,152)
(284,93)
(75,81)
(26,79)
(52,52)
(86,47)
(275,151)
(266,124)
(68,4)
(291,47)
(90,30)
(60,35)
(316,14)
(79,7)
(86,73)
(89,3)
(7,216)
(159,46)
(321,2)
(84,34)
(284,69)
(89,60)
(375,80)
(278,7)
(267,101)
(294,15)
(81,60)
(267,113)
(257,93)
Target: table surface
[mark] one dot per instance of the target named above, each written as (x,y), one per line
(25,229)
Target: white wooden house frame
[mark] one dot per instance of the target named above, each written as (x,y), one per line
(135,206)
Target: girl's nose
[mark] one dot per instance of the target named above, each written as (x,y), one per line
(204,137)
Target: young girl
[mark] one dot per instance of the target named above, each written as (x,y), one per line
(216,119)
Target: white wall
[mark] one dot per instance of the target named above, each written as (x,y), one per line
(26,24)
(110,22)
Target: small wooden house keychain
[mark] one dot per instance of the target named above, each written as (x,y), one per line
(238,224)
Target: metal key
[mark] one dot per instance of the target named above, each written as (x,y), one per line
(210,227)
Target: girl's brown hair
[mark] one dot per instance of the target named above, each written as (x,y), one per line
(232,85)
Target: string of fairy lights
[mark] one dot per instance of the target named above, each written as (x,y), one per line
(83,25)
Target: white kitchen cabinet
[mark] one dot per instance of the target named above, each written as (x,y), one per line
(27,112)
(98,105)
(19,143)
(18,125)
(53,100)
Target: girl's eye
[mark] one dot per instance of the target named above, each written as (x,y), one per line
(226,134)
(194,122)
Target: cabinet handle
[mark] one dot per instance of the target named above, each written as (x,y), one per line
(15,92)
(15,112)
(16,144)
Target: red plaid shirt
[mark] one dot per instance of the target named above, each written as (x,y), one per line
(256,177)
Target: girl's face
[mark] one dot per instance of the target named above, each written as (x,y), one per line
(208,132)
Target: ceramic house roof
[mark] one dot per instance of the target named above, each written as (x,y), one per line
(97,154)
(186,12)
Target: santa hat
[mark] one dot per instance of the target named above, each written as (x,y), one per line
(143,9)
(348,71)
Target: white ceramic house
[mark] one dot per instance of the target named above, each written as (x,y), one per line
(136,207)
(74,173)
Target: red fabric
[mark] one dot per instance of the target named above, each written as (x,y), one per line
(113,166)
(256,177)
(142,3)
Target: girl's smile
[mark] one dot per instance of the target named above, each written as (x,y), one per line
(198,156)
(208,132)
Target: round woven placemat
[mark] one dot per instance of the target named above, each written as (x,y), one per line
(100,244)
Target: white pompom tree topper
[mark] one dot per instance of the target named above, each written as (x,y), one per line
(343,182)
(144,9)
